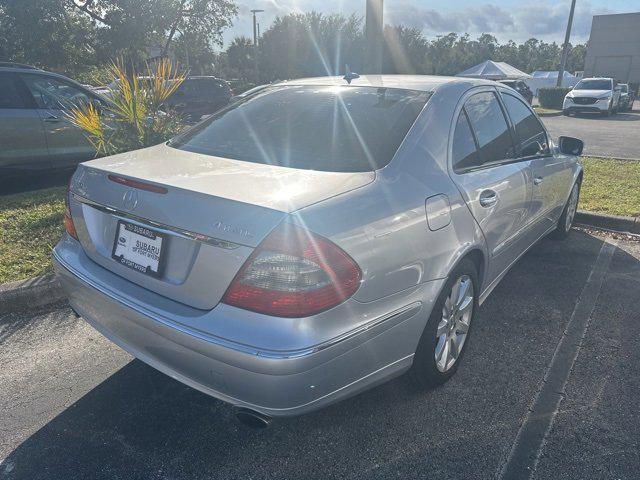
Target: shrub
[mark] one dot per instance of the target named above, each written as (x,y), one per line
(135,116)
(552,97)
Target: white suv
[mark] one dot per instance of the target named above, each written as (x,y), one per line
(592,95)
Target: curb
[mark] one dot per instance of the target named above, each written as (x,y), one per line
(550,114)
(30,293)
(618,159)
(610,222)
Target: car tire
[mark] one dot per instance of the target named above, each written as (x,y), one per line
(448,321)
(566,113)
(568,214)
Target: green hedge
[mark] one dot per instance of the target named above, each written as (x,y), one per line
(552,97)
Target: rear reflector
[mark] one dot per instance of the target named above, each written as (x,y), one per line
(137,184)
(294,273)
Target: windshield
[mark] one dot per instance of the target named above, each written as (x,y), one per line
(594,85)
(328,128)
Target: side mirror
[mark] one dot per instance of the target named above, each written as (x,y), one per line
(571,146)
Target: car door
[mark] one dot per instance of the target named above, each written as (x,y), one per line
(550,175)
(23,145)
(495,185)
(54,98)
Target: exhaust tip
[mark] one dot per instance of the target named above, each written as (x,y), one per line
(252,419)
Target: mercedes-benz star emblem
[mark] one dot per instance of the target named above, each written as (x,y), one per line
(130,200)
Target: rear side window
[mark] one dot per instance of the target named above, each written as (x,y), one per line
(465,153)
(490,126)
(202,87)
(9,94)
(50,92)
(531,135)
(328,128)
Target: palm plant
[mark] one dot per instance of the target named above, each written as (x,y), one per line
(134,117)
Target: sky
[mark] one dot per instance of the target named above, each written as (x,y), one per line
(506,19)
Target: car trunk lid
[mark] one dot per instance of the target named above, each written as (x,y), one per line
(211,212)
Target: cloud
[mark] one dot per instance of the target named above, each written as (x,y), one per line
(519,21)
(541,19)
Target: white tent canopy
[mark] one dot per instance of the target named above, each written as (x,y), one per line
(544,79)
(491,70)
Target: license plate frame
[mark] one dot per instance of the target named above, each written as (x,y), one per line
(134,230)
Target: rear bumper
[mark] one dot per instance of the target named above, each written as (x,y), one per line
(276,383)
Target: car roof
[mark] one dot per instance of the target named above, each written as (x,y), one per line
(426,83)
(24,69)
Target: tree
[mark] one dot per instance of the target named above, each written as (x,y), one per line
(129,27)
(239,57)
(577,56)
(310,44)
(45,33)
(404,50)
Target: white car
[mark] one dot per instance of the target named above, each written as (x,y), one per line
(592,95)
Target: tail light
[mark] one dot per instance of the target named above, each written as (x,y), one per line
(68,219)
(294,273)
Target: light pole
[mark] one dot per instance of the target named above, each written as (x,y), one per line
(255,26)
(565,47)
(255,43)
(373,36)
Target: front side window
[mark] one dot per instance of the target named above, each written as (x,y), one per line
(54,94)
(530,133)
(328,128)
(490,126)
(594,85)
(9,94)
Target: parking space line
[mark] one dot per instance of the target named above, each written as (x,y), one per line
(528,444)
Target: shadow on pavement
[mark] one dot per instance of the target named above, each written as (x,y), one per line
(141,424)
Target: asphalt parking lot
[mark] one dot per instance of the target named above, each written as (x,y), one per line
(614,136)
(76,407)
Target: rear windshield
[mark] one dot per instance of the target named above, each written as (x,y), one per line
(328,128)
(593,85)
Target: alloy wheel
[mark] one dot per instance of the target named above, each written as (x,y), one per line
(454,325)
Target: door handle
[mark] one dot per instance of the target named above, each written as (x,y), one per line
(537,180)
(50,118)
(488,198)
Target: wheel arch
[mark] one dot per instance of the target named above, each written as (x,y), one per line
(477,257)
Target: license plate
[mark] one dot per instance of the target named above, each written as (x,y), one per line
(139,248)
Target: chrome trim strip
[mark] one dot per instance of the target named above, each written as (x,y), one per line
(198,237)
(399,314)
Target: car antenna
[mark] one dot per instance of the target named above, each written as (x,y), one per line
(349,75)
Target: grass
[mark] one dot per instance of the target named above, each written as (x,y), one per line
(30,226)
(31,223)
(611,186)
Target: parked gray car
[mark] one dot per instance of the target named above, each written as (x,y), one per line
(35,133)
(316,238)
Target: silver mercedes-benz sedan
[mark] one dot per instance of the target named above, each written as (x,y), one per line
(317,237)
